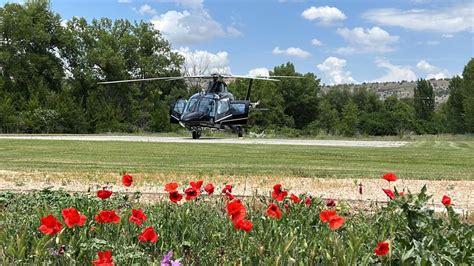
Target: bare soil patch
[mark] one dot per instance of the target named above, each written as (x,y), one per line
(153,184)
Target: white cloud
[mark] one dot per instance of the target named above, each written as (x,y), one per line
(367,40)
(292,51)
(199,62)
(451,19)
(432,71)
(261,71)
(447,35)
(191,27)
(146,10)
(325,14)
(394,72)
(316,42)
(124,1)
(333,69)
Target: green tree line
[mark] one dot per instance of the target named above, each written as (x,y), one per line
(49,74)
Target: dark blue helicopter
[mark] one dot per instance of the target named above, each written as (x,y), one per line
(214,108)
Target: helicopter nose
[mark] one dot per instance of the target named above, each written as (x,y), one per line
(196,116)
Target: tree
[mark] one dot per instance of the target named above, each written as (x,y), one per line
(424,100)
(300,94)
(455,105)
(348,126)
(328,117)
(468,90)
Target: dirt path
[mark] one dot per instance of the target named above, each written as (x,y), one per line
(340,189)
(303,142)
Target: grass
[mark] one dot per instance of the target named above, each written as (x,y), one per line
(425,159)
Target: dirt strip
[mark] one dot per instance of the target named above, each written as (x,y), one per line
(339,189)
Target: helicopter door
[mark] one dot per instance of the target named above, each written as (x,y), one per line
(239,111)
(176,110)
(223,111)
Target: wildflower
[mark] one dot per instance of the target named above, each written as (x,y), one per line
(105,259)
(273,211)
(138,217)
(295,198)
(191,193)
(308,201)
(175,196)
(229,196)
(446,200)
(209,188)
(107,216)
(227,189)
(50,225)
(72,217)
(236,210)
(389,193)
(148,235)
(166,261)
(127,180)
(196,185)
(335,222)
(278,194)
(330,203)
(104,194)
(170,187)
(382,248)
(390,177)
(326,215)
(244,225)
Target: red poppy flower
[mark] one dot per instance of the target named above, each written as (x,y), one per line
(127,180)
(104,193)
(72,217)
(196,185)
(308,201)
(50,225)
(138,217)
(105,259)
(148,235)
(401,194)
(236,210)
(273,211)
(446,200)
(335,222)
(326,215)
(389,193)
(175,196)
(287,208)
(209,188)
(170,187)
(244,225)
(229,196)
(107,216)
(278,194)
(330,203)
(295,198)
(227,189)
(382,248)
(390,177)
(191,193)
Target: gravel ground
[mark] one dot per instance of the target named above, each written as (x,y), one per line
(339,189)
(303,142)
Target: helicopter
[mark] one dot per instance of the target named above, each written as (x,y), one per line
(214,108)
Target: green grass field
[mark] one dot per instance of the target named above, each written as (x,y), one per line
(453,160)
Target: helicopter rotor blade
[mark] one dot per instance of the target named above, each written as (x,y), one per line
(135,80)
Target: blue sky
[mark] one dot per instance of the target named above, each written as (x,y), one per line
(340,41)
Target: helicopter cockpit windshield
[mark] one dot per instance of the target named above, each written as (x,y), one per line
(202,105)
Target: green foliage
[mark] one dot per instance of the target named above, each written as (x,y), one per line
(348,124)
(200,232)
(468,91)
(424,101)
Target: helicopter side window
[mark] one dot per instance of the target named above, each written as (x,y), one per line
(192,105)
(179,106)
(223,106)
(207,106)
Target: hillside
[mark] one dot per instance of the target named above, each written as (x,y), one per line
(402,89)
